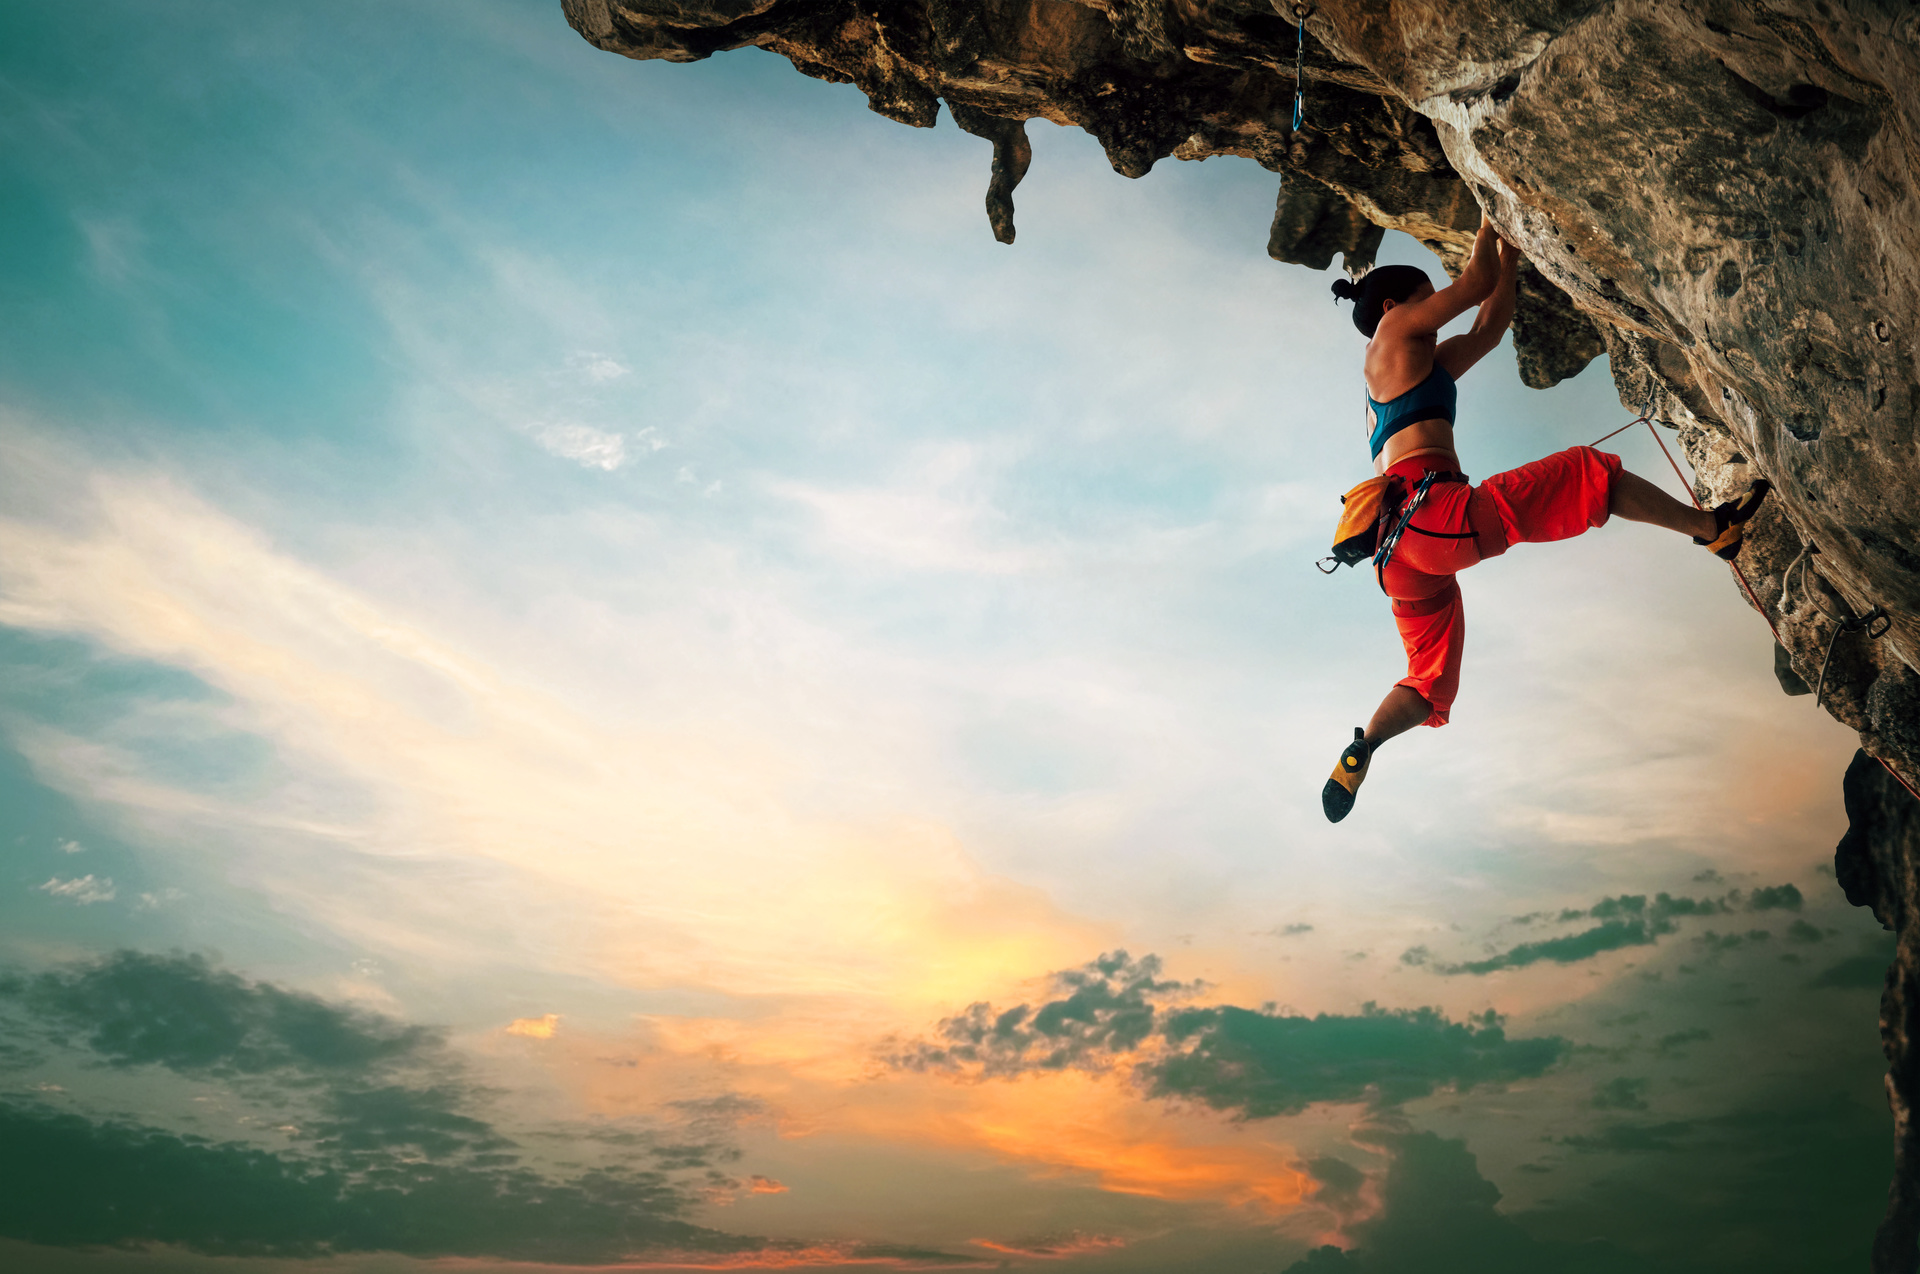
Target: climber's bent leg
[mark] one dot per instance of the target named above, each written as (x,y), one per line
(1554,498)
(1433,630)
(1402,709)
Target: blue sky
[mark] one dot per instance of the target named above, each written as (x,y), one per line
(613,563)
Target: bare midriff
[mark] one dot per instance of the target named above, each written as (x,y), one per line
(1418,439)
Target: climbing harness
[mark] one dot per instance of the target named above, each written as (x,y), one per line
(1373,517)
(1863,623)
(1391,540)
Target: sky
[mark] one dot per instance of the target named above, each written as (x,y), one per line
(592,675)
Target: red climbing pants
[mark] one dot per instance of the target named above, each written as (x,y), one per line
(1554,498)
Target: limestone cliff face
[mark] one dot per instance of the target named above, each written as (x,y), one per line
(1719,193)
(1878,864)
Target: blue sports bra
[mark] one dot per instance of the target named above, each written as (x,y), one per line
(1433,398)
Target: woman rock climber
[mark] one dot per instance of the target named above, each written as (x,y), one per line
(1410,377)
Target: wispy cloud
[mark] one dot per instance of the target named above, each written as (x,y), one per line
(1628,920)
(1055,1248)
(595,368)
(935,515)
(672,853)
(583,444)
(80,889)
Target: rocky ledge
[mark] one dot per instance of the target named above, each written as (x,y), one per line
(1720,194)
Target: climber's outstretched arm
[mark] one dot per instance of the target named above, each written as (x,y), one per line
(1479,280)
(1458,353)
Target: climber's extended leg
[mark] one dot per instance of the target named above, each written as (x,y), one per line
(1554,498)
(1565,493)
(1719,528)
(1637,500)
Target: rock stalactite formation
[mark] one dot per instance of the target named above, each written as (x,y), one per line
(1719,194)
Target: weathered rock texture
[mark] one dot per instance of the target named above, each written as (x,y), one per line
(1721,194)
(1878,864)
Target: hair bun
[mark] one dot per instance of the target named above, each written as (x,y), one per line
(1346,289)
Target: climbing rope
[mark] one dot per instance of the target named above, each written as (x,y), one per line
(1860,623)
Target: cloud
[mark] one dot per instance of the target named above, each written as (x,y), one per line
(1631,1138)
(937,515)
(1257,1065)
(80,889)
(1861,972)
(75,1182)
(1680,1039)
(1621,1093)
(1341,1188)
(724,1113)
(1116,1012)
(833,1256)
(1611,936)
(597,368)
(386,1146)
(179,1012)
(1779,1185)
(1437,1215)
(1775,898)
(1801,931)
(583,444)
(391,748)
(72,847)
(535,1028)
(1055,1248)
(1789,1181)
(1107,1008)
(373,1127)
(1727,942)
(1628,920)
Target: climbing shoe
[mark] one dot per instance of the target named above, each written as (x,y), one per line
(1336,798)
(1729,520)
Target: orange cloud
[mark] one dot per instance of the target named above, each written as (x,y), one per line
(1056,1249)
(535,1028)
(818,1079)
(811,1256)
(1073,1122)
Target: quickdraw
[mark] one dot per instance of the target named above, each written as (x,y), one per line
(1301,13)
(1859,623)
(1391,540)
